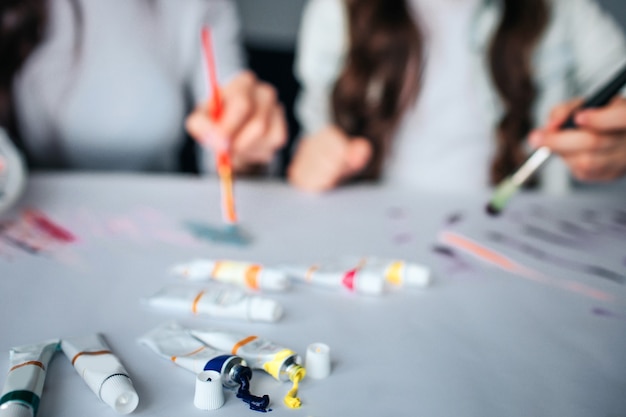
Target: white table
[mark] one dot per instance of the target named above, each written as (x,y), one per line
(482,343)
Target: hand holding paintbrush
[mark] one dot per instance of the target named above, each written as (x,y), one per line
(589,135)
(242,121)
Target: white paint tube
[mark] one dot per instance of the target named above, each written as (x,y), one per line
(362,275)
(243,274)
(281,363)
(216,302)
(24,383)
(173,342)
(102,371)
(12,173)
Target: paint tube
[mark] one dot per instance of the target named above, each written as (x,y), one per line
(244,274)
(281,363)
(216,302)
(174,342)
(24,383)
(12,173)
(362,275)
(102,371)
(346,275)
(396,272)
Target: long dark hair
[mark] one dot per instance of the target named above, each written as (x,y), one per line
(381,76)
(22,25)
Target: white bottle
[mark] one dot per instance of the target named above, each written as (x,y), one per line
(12,173)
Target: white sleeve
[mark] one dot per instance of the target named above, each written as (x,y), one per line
(598,43)
(222,18)
(320,55)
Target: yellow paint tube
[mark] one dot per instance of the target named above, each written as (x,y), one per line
(281,363)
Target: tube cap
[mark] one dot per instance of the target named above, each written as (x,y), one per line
(209,393)
(118,392)
(270,279)
(417,275)
(15,409)
(264,309)
(317,362)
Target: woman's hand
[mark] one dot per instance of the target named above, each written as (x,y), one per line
(252,125)
(596,151)
(327,158)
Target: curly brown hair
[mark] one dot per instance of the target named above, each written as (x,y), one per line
(381,77)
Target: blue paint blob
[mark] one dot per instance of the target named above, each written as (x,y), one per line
(256,403)
(241,377)
(229,234)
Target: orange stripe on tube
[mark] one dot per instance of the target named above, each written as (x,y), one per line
(34,363)
(252,277)
(194,305)
(241,343)
(193,352)
(97,352)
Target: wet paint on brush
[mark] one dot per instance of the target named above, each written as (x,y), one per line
(228,234)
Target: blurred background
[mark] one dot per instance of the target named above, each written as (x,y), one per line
(270,29)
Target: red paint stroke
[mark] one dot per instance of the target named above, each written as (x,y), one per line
(490,256)
(46,225)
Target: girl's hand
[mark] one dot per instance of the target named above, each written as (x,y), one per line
(252,125)
(327,158)
(596,151)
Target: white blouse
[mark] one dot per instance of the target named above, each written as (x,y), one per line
(446,141)
(110,89)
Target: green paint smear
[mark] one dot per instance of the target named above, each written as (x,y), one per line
(227,234)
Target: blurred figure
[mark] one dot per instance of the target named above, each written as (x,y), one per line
(108,85)
(442,94)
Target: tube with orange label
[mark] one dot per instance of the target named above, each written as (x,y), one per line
(243,274)
(24,383)
(281,363)
(216,301)
(102,371)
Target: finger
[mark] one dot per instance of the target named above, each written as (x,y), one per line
(574,141)
(605,119)
(201,128)
(561,113)
(603,166)
(359,153)
(238,101)
(252,136)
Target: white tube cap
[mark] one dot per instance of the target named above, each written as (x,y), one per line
(317,362)
(264,309)
(209,393)
(15,409)
(417,275)
(118,392)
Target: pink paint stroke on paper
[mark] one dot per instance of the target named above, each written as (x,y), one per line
(492,257)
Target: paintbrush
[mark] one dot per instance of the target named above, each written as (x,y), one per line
(224,166)
(509,186)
